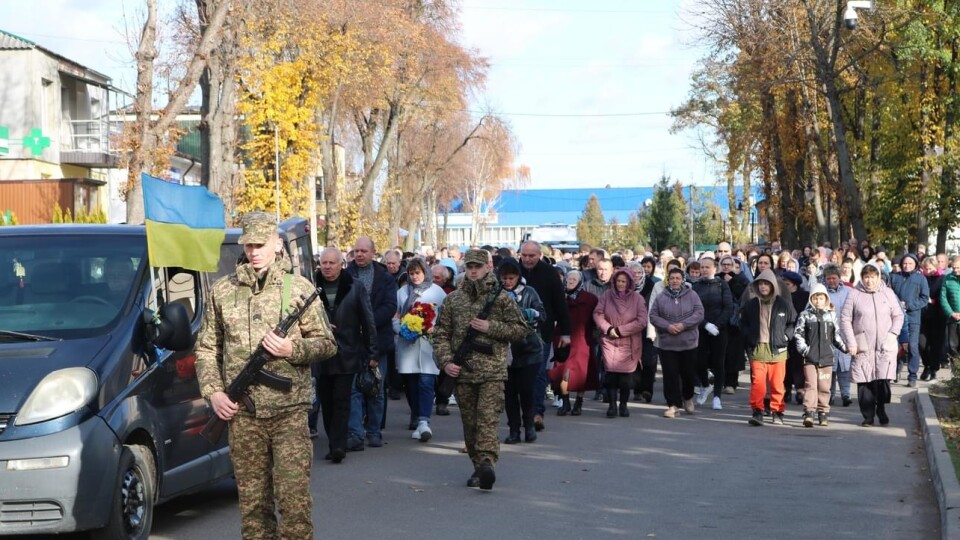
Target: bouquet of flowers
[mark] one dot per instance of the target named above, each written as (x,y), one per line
(418,322)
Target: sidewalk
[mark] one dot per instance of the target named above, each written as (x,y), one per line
(946,486)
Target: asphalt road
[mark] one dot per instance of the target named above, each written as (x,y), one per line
(709,475)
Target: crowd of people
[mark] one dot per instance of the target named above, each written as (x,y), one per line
(805,323)
(501,329)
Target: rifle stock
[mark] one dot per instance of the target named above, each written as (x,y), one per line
(253,372)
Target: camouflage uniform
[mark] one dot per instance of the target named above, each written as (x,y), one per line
(479,390)
(271,449)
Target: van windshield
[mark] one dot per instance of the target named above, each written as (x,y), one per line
(66,286)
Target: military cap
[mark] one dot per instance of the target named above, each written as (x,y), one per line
(476,256)
(258,228)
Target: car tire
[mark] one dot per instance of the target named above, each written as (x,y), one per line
(134,496)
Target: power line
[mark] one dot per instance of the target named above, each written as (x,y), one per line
(72,38)
(562,10)
(559,115)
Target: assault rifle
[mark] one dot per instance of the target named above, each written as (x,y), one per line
(254,373)
(461,357)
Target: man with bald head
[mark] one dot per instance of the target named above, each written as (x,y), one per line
(542,278)
(348,309)
(382,288)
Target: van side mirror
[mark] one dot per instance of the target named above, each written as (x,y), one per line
(170,328)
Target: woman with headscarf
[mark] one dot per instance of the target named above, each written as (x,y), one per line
(621,318)
(578,372)
(676,313)
(415,353)
(933,322)
(870,324)
(646,372)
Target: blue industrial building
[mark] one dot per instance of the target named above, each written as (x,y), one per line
(518,212)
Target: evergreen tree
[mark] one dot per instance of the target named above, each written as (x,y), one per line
(591,225)
(664,220)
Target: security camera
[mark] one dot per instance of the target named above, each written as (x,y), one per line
(850,14)
(850,18)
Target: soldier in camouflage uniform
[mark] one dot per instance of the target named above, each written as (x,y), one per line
(479,389)
(271,449)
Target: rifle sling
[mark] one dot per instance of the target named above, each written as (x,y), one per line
(465,345)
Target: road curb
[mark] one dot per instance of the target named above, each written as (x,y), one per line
(941,467)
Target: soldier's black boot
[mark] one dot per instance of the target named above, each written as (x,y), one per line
(577,406)
(565,405)
(612,408)
(487,476)
(624,398)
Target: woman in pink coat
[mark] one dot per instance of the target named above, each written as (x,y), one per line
(870,324)
(621,318)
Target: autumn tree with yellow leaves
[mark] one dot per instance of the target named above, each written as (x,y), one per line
(844,131)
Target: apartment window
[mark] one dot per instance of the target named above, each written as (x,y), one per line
(46,104)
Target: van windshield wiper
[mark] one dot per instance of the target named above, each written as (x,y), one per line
(25,337)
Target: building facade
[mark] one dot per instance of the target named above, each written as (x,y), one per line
(55,132)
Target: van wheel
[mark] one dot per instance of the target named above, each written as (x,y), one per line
(133,497)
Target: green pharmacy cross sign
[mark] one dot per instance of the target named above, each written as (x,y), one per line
(36,142)
(4,140)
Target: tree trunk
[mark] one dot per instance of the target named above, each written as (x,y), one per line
(376,145)
(218,111)
(142,145)
(330,168)
(150,131)
(922,232)
(948,178)
(788,223)
(827,77)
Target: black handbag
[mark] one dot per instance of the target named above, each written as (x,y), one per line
(560,354)
(368,382)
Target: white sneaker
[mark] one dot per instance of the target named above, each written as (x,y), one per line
(717,406)
(702,398)
(558,402)
(416,432)
(423,428)
(697,390)
(671,412)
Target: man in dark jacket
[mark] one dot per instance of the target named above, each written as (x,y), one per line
(735,358)
(914,294)
(542,278)
(597,286)
(718,307)
(794,377)
(351,317)
(383,297)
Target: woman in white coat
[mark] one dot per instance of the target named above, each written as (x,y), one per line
(415,353)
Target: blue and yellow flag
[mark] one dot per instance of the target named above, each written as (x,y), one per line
(185,225)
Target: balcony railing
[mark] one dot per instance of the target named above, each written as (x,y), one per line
(87,143)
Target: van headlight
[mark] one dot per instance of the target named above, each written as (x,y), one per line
(59,393)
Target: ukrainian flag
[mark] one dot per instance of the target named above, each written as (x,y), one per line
(185,225)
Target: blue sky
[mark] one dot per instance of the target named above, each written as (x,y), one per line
(603,57)
(584,84)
